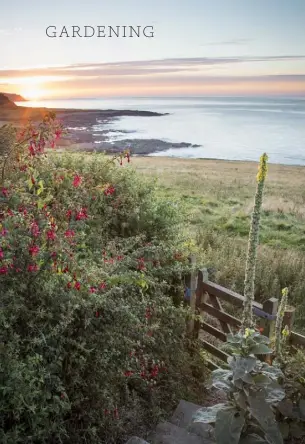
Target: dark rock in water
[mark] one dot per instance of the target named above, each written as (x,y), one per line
(6,103)
(144,146)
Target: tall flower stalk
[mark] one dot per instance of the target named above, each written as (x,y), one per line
(247,318)
(279,323)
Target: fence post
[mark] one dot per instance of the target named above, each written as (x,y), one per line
(289,316)
(202,276)
(270,306)
(192,286)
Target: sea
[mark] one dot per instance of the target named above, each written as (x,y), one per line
(225,127)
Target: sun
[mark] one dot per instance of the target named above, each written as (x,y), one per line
(32,92)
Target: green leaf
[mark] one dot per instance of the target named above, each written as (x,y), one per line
(261,380)
(241,366)
(40,204)
(260,349)
(208,414)
(261,339)
(285,407)
(263,414)
(297,429)
(284,428)
(272,371)
(229,424)
(234,339)
(241,400)
(252,439)
(275,393)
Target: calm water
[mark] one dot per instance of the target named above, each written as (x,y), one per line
(226,128)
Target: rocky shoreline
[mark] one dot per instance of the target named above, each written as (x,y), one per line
(84,137)
(82,134)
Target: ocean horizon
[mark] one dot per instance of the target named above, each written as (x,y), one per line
(229,128)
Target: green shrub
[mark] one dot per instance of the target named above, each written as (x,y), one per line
(92,346)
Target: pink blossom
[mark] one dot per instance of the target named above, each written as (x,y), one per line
(34,250)
(4,192)
(3,270)
(69,233)
(51,235)
(109,190)
(92,290)
(32,268)
(82,214)
(77,285)
(35,229)
(77,180)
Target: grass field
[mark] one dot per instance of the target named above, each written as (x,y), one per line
(218,196)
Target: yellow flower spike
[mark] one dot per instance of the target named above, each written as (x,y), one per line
(285,292)
(262,169)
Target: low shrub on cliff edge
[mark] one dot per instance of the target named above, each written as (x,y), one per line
(92,346)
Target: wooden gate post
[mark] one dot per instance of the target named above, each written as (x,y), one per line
(192,286)
(270,307)
(289,316)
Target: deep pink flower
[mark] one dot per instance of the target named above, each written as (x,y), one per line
(3,232)
(69,214)
(4,192)
(69,233)
(32,150)
(51,235)
(77,180)
(35,229)
(77,285)
(34,250)
(33,267)
(141,264)
(3,270)
(92,290)
(82,214)
(58,133)
(109,190)
(102,285)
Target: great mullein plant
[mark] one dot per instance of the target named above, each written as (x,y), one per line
(247,319)
(251,385)
(252,391)
(281,335)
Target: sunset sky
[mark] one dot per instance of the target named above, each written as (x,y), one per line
(216,47)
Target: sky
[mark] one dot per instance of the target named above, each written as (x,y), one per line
(200,47)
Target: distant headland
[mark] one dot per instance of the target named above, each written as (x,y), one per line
(13,97)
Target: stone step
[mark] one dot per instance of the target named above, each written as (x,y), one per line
(168,433)
(183,414)
(183,417)
(136,440)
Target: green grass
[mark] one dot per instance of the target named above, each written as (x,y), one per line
(218,197)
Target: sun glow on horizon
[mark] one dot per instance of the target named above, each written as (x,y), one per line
(33,92)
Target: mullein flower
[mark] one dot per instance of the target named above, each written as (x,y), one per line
(279,322)
(247,319)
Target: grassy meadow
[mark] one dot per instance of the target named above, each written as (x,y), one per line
(218,198)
